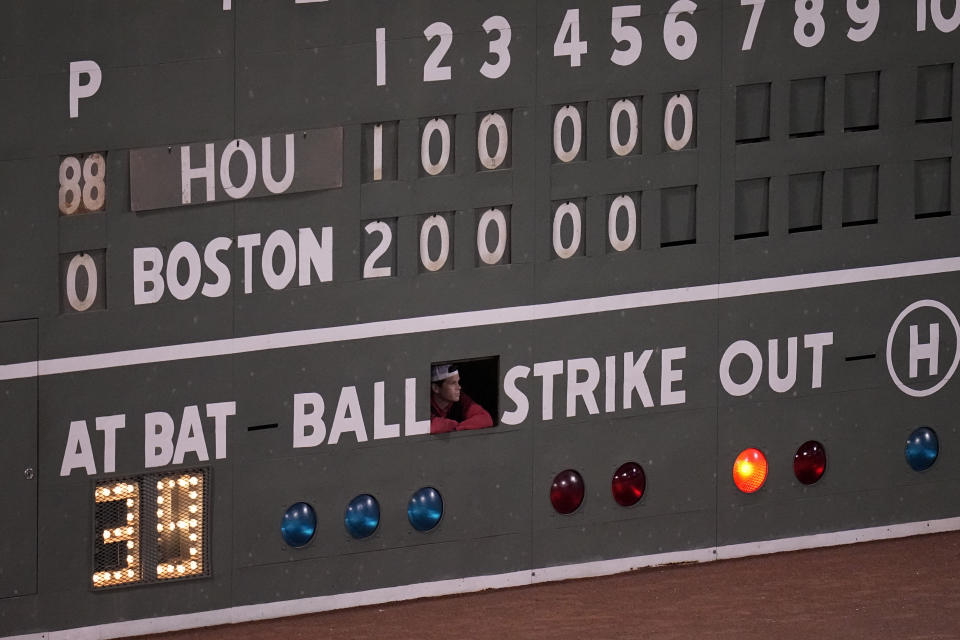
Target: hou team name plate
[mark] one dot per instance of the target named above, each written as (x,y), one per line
(178,175)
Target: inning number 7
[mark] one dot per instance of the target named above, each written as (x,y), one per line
(757,9)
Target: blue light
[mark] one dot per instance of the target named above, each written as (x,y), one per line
(922,449)
(425,509)
(298,525)
(363,516)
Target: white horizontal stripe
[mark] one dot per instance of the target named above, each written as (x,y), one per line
(840,277)
(505,315)
(268,610)
(19,370)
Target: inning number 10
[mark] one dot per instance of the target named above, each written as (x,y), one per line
(940,21)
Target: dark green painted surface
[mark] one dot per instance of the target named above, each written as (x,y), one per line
(18,532)
(801,160)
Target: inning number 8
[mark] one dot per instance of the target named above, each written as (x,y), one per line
(84,186)
(809,13)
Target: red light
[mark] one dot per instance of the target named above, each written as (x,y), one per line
(750,470)
(628,484)
(810,462)
(566,493)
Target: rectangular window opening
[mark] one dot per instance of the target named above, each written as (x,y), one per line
(464,394)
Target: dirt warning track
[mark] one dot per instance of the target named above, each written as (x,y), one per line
(906,588)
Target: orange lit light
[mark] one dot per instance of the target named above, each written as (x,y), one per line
(750,470)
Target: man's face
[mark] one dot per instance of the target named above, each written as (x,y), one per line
(449,389)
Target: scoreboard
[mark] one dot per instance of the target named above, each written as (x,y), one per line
(699,260)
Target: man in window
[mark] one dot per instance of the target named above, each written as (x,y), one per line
(450,408)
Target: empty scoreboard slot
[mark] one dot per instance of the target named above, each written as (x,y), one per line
(752,212)
(753,113)
(678,216)
(934,93)
(806,202)
(806,107)
(860,190)
(932,188)
(861,101)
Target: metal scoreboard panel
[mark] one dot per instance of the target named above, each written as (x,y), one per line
(18,550)
(801,198)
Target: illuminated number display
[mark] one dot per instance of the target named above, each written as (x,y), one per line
(116,548)
(150,529)
(180,526)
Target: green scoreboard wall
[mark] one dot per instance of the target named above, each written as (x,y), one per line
(235,235)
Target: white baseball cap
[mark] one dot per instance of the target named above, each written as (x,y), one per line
(440,372)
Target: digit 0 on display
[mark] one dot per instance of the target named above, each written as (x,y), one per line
(127,512)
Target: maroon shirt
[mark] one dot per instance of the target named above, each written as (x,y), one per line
(474,416)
